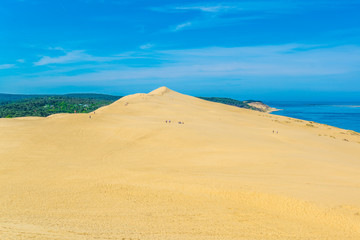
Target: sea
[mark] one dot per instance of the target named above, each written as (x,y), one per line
(344,115)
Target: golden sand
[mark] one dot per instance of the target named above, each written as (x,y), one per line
(125,173)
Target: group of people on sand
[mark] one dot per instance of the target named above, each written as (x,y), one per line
(90,115)
(169,121)
(275,132)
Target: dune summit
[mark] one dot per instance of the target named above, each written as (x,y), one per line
(165,165)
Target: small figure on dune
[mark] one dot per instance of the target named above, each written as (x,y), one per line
(166,121)
(273,131)
(90,116)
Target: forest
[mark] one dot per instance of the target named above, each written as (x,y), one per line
(45,105)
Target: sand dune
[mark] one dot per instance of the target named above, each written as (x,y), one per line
(125,173)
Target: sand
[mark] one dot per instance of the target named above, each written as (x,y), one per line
(263,107)
(125,173)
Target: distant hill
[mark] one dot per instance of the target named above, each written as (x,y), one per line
(248,104)
(7,98)
(16,105)
(93,96)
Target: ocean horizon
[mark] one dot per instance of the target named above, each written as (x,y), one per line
(344,115)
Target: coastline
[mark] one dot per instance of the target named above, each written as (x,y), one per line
(337,115)
(271,110)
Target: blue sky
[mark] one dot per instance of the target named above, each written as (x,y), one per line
(267,50)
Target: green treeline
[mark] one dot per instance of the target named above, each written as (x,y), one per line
(48,105)
(232,102)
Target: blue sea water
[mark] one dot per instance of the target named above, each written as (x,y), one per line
(342,115)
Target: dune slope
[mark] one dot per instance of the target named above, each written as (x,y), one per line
(223,173)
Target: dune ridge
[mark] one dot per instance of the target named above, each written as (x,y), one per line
(131,171)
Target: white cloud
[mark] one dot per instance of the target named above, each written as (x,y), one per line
(278,60)
(56,48)
(75,56)
(181,26)
(211,14)
(147,46)
(209,8)
(290,61)
(275,6)
(20,60)
(6,66)
(217,14)
(224,7)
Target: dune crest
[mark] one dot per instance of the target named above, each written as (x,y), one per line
(161,91)
(165,165)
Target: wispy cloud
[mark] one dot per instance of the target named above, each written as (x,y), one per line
(290,61)
(56,48)
(225,7)
(208,8)
(147,46)
(6,66)
(181,26)
(279,6)
(212,22)
(212,14)
(278,60)
(75,56)
(219,14)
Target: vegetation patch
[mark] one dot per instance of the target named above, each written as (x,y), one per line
(233,102)
(353,133)
(43,106)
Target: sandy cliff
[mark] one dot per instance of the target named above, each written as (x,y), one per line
(263,107)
